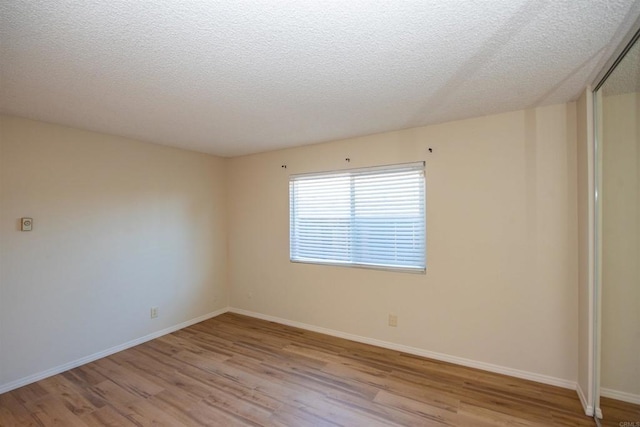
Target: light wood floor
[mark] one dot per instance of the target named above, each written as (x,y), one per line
(235,370)
(616,413)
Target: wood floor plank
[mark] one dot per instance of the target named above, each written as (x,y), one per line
(436,415)
(108,417)
(13,413)
(617,412)
(112,392)
(126,379)
(241,409)
(84,376)
(51,411)
(176,404)
(72,396)
(209,415)
(474,415)
(294,416)
(234,370)
(30,392)
(142,412)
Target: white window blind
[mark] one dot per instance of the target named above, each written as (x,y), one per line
(373,217)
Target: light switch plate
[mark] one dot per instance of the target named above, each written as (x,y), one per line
(26,224)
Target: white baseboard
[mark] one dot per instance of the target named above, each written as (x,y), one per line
(545,379)
(588,409)
(620,395)
(99,355)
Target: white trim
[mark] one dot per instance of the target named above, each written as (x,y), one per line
(99,355)
(596,300)
(545,379)
(412,270)
(588,409)
(592,342)
(620,395)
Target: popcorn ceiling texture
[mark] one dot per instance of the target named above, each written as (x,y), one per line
(237,77)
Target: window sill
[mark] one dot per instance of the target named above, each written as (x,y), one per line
(364,266)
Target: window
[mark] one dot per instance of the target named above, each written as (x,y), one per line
(372,217)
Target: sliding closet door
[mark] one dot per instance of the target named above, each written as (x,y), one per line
(619,195)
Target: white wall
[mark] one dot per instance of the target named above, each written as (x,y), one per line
(119,226)
(620,286)
(501,281)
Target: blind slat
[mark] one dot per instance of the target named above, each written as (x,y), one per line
(361,217)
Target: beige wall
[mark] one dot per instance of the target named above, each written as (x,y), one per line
(501,281)
(620,329)
(119,226)
(584,117)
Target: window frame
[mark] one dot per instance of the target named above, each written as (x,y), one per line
(363,170)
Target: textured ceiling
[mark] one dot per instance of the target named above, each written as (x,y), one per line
(235,77)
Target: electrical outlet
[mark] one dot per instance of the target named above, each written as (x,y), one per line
(154,312)
(393,320)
